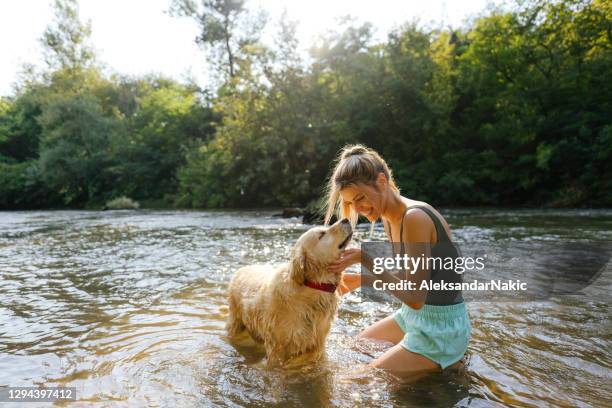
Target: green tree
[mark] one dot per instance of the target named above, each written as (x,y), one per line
(273,140)
(532,89)
(226,30)
(75,149)
(167,120)
(69,55)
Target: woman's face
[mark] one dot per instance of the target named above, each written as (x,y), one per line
(364,199)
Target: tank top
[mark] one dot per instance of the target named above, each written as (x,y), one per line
(443,248)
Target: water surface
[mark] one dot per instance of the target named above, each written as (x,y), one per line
(127,306)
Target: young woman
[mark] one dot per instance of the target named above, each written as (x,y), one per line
(429,332)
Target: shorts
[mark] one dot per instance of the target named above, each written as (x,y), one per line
(440,333)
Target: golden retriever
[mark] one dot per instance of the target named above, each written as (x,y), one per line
(290,308)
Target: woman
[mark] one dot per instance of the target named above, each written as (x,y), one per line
(429,332)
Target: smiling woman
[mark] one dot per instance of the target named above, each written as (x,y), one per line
(432,329)
(357,165)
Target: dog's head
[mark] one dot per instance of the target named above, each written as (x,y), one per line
(316,249)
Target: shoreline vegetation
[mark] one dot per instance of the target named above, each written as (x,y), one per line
(512,110)
(306,215)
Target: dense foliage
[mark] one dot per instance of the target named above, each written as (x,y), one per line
(512,110)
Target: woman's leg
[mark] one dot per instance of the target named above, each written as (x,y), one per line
(405,364)
(397,360)
(386,329)
(408,365)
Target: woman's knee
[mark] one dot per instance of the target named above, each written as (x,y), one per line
(386,329)
(458,365)
(404,364)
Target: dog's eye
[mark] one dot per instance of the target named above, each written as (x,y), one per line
(321,234)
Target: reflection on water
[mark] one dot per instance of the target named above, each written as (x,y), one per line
(128,307)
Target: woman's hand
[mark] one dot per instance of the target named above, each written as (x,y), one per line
(348,257)
(350,281)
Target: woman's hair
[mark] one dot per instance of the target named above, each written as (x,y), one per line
(355,164)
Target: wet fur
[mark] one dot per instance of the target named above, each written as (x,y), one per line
(274,306)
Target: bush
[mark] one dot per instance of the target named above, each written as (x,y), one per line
(21,186)
(122,203)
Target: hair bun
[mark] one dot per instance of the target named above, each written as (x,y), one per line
(353,150)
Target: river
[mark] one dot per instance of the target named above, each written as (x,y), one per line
(128,307)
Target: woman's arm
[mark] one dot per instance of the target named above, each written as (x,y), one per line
(417,241)
(350,281)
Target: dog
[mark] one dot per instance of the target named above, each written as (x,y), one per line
(290,308)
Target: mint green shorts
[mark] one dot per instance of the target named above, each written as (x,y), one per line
(440,333)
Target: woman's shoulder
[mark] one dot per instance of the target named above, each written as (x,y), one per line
(418,216)
(415,203)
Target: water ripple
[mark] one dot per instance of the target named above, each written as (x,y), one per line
(127,306)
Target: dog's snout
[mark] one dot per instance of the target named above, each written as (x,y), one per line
(345,221)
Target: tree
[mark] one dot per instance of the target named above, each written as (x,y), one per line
(75,148)
(226,30)
(168,120)
(532,91)
(66,42)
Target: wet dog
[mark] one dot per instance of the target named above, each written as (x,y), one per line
(290,308)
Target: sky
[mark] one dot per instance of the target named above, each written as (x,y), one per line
(137,37)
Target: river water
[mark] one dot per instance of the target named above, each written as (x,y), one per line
(128,307)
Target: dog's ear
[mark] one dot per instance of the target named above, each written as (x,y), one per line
(298,265)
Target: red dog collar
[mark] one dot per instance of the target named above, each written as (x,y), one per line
(325,287)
